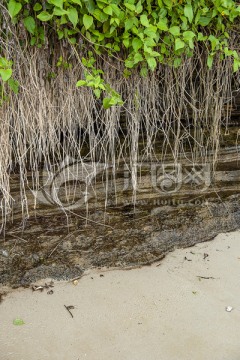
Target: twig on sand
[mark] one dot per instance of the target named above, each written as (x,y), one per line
(68,308)
(206,277)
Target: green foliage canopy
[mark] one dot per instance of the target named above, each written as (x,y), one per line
(142,33)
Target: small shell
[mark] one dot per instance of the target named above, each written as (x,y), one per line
(229,308)
(5,253)
(75,282)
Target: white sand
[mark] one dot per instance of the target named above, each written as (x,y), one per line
(153,313)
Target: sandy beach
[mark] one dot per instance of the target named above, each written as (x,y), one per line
(172,310)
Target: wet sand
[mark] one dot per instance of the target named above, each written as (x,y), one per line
(172,310)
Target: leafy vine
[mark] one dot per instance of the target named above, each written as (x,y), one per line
(142,33)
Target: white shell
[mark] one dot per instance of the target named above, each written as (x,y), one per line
(229,308)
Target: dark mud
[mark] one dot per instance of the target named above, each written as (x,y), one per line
(60,248)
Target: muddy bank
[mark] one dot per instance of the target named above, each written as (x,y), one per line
(176,208)
(61,248)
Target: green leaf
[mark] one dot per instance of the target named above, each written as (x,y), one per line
(137,58)
(168,3)
(151,63)
(44,16)
(58,3)
(100,16)
(235,55)
(236,65)
(116,10)
(29,24)
(201,37)
(73,16)
(129,63)
(77,2)
(14,8)
(63,20)
(4,62)
(191,44)
(5,74)
(144,71)
(144,20)
(33,41)
(210,61)
(14,85)
(188,12)
(226,34)
(60,34)
(18,322)
(90,5)
(108,10)
(97,93)
(177,62)
(107,103)
(162,25)
(81,83)
(59,12)
(139,8)
(156,53)
(214,41)
(167,40)
(136,44)
(126,42)
(228,52)
(87,21)
(130,6)
(188,35)
(151,31)
(179,44)
(73,40)
(129,24)
(149,42)
(37,7)
(204,21)
(174,30)
(116,47)
(126,73)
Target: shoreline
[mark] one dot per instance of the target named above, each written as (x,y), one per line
(172,310)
